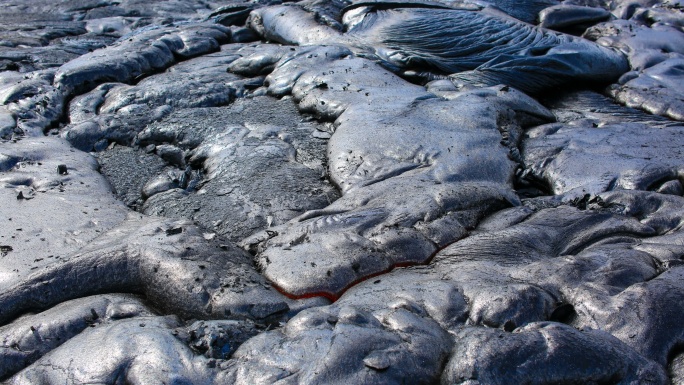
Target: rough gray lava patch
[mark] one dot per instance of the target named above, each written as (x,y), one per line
(256,162)
(341,192)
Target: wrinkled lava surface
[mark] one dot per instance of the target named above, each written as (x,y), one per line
(341,192)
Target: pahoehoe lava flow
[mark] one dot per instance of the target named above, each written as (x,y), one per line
(256,192)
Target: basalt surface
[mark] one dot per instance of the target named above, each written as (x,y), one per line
(342,192)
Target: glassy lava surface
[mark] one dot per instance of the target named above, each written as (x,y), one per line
(341,192)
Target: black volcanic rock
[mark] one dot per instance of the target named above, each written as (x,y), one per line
(341,192)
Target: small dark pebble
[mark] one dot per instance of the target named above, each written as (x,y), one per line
(4,249)
(174,231)
(62,169)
